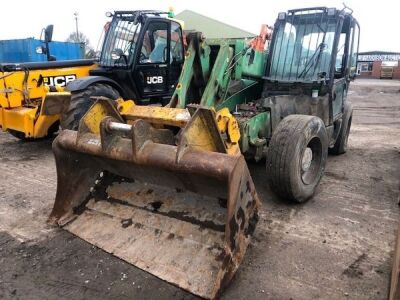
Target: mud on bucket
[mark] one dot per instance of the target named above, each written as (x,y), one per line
(182,214)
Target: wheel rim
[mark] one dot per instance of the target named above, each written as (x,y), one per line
(307,159)
(311,159)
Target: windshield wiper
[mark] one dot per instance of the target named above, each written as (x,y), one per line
(313,62)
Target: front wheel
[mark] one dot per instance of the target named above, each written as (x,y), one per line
(297,156)
(81,102)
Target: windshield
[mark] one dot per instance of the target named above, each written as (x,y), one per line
(302,48)
(120,42)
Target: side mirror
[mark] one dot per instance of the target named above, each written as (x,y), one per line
(48,33)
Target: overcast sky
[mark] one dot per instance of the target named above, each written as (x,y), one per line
(379,20)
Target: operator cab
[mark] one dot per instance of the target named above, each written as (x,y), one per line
(143,52)
(313,45)
(313,55)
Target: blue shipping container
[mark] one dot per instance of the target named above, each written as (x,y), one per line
(24,50)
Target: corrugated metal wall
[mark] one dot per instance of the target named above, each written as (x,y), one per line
(24,50)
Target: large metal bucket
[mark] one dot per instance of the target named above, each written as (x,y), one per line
(178,212)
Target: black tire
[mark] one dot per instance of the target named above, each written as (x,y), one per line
(53,129)
(81,102)
(292,173)
(340,146)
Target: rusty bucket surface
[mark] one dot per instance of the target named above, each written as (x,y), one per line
(182,214)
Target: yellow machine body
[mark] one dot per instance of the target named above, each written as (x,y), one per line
(25,96)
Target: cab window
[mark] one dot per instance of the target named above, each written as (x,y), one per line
(154,48)
(176,43)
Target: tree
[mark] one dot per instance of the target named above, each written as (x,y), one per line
(77,38)
(81,38)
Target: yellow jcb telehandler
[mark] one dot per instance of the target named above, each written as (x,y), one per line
(29,109)
(30,106)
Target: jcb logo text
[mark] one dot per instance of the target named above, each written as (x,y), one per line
(58,80)
(155,80)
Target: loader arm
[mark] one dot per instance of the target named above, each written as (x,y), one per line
(194,74)
(229,78)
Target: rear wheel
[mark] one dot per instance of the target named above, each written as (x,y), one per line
(296,157)
(81,102)
(340,146)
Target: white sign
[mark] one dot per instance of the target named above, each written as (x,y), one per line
(62,80)
(379,57)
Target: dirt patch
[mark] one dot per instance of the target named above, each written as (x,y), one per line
(354,270)
(65,267)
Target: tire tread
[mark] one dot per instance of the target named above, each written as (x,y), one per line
(280,154)
(80,103)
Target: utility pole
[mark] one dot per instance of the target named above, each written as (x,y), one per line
(76,25)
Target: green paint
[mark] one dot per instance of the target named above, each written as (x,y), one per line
(181,92)
(236,68)
(253,134)
(217,85)
(254,64)
(251,90)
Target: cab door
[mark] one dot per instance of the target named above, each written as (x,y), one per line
(152,60)
(345,66)
(159,59)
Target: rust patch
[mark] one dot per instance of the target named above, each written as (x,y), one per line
(233,225)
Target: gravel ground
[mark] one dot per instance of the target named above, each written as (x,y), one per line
(337,245)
